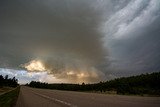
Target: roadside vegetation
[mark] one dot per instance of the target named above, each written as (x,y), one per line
(9,91)
(144,84)
(9,99)
(8,82)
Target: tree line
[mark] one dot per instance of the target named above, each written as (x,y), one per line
(141,84)
(6,81)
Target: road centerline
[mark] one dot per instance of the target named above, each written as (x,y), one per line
(56,100)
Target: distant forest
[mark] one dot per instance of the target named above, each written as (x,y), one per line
(140,85)
(9,82)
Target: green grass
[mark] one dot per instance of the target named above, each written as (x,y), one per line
(9,99)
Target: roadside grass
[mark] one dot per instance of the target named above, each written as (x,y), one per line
(9,99)
(5,89)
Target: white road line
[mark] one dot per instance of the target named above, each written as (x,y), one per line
(54,99)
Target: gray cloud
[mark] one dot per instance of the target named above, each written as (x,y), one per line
(101,38)
(55,32)
(133,38)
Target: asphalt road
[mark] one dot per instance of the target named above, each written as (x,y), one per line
(32,97)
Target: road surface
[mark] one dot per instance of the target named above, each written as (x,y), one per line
(32,97)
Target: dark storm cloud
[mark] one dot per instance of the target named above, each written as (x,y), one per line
(90,37)
(55,25)
(135,40)
(65,32)
(141,54)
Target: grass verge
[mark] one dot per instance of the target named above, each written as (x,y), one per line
(9,99)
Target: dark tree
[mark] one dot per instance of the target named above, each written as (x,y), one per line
(141,84)
(5,81)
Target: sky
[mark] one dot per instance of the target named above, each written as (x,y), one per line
(75,41)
